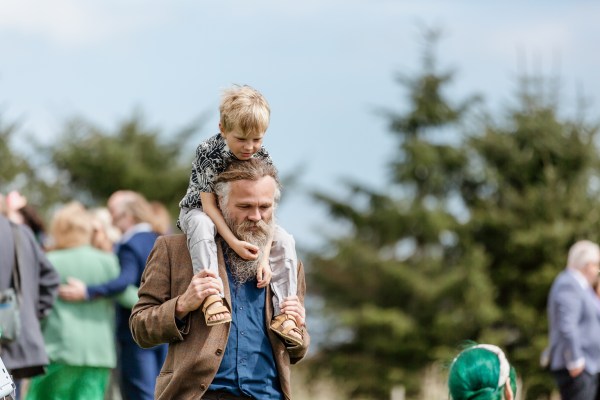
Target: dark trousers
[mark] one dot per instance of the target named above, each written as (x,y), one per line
(582,387)
(139,369)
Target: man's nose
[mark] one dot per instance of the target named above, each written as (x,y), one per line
(254,214)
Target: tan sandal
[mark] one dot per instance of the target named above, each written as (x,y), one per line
(284,332)
(209,312)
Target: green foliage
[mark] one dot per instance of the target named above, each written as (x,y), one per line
(94,163)
(13,165)
(17,172)
(88,164)
(463,245)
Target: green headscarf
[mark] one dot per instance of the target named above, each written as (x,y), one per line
(480,372)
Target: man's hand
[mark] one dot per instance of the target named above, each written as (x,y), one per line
(576,371)
(292,306)
(73,290)
(263,274)
(202,285)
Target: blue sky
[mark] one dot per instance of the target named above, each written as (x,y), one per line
(325,66)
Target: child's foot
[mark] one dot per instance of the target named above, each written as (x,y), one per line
(215,311)
(285,326)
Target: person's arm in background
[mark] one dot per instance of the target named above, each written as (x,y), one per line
(76,290)
(128,275)
(128,297)
(568,300)
(48,277)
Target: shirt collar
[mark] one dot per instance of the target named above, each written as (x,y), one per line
(137,228)
(579,278)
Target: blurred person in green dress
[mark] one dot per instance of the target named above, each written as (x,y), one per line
(79,336)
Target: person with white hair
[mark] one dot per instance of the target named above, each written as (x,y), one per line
(574,324)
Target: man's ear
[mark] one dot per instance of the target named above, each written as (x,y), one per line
(508,394)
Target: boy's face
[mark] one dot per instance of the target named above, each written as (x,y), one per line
(243,147)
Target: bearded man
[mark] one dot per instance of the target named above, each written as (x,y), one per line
(239,360)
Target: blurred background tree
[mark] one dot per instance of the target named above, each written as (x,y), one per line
(19,172)
(88,163)
(463,244)
(93,162)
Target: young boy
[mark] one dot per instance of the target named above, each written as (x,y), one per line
(244,118)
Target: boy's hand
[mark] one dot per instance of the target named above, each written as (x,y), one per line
(246,250)
(264,273)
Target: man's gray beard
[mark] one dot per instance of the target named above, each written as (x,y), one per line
(241,269)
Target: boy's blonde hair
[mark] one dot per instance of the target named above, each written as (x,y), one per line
(244,108)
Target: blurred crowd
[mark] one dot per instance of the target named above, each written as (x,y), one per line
(77,280)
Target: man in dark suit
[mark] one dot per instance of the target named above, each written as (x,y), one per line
(26,356)
(574,321)
(242,359)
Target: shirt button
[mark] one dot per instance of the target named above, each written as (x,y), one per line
(203,387)
(219,352)
(243,333)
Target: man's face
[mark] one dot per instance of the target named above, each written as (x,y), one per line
(590,271)
(249,215)
(249,210)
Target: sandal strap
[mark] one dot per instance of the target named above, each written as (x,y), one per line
(216,310)
(210,300)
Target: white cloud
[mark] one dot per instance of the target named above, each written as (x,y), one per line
(77,22)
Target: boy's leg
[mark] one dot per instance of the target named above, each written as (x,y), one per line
(284,266)
(200,232)
(284,283)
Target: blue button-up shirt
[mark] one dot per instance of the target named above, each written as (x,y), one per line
(248,366)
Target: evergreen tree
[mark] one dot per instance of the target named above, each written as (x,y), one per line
(19,172)
(463,244)
(403,286)
(535,194)
(93,162)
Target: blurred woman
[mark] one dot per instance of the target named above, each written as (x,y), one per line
(482,372)
(79,336)
(105,234)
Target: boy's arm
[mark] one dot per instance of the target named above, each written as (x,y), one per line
(264,272)
(244,249)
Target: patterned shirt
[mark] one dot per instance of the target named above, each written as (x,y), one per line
(212,157)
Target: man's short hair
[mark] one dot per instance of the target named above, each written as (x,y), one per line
(244,108)
(582,253)
(251,170)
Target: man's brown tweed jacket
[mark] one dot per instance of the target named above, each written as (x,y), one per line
(194,353)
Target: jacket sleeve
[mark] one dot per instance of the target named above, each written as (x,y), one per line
(127,276)
(48,277)
(152,320)
(297,353)
(568,311)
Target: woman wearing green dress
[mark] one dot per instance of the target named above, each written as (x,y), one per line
(79,336)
